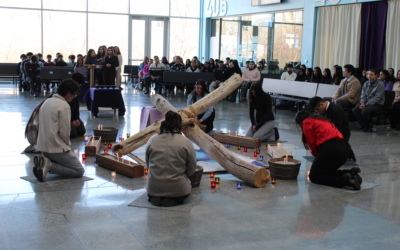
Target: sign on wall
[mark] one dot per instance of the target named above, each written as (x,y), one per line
(216,8)
(332,1)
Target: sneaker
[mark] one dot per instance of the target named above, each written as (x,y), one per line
(349,182)
(355,174)
(46,165)
(276,134)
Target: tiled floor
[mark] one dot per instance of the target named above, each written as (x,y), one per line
(287,215)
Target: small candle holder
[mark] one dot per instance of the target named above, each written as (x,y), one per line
(261,158)
(85,142)
(94,159)
(239,147)
(105,151)
(255,154)
(211,175)
(212,184)
(109,145)
(119,136)
(113,173)
(146,171)
(239,185)
(83,156)
(273,181)
(128,135)
(105,143)
(228,145)
(212,136)
(245,149)
(266,147)
(122,139)
(244,153)
(86,138)
(217,180)
(258,150)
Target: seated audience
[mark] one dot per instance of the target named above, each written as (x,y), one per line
(199,65)
(330,150)
(32,70)
(216,64)
(392,77)
(227,62)
(60,62)
(156,75)
(77,125)
(188,63)
(364,77)
(49,63)
(317,75)
(304,67)
(263,126)
(168,183)
(146,68)
(218,76)
(337,75)
(326,78)
(289,75)
(166,63)
(177,67)
(372,99)
(247,64)
(110,62)
(349,92)
(334,113)
(301,75)
(53,137)
(234,69)
(71,62)
(79,67)
(90,59)
(40,58)
(173,62)
(384,77)
(207,67)
(261,67)
(21,82)
(193,67)
(211,63)
(309,73)
(141,67)
(395,112)
(41,64)
(207,118)
(250,76)
(56,59)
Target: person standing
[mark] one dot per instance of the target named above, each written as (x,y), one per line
(349,92)
(326,143)
(118,69)
(110,62)
(53,137)
(90,59)
(101,53)
(168,183)
(372,99)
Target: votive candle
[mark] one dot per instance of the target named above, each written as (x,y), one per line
(255,154)
(146,171)
(239,147)
(83,156)
(212,184)
(128,135)
(217,180)
(105,151)
(245,149)
(273,181)
(113,173)
(212,175)
(239,185)
(261,158)
(109,145)
(228,145)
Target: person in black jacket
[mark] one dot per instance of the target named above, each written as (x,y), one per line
(332,112)
(218,75)
(110,62)
(77,126)
(262,126)
(234,68)
(32,72)
(60,61)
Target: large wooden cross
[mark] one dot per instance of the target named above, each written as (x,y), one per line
(249,173)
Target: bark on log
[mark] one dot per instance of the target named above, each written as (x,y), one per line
(161,104)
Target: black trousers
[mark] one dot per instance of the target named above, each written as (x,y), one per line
(35,82)
(395,115)
(109,75)
(178,200)
(158,81)
(363,116)
(330,157)
(209,122)
(79,131)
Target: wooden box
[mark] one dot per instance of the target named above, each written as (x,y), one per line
(107,134)
(92,148)
(123,166)
(242,141)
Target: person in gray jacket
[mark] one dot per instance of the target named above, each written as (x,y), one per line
(372,99)
(53,137)
(170,158)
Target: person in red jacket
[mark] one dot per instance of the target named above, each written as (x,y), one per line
(330,150)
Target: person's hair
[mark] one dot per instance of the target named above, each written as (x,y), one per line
(328,78)
(235,65)
(187,62)
(155,57)
(392,70)
(212,60)
(299,77)
(216,60)
(77,61)
(79,55)
(207,63)
(164,60)
(144,60)
(22,56)
(299,119)
(60,55)
(338,76)
(98,55)
(67,86)
(397,75)
(204,90)
(29,54)
(350,68)
(255,66)
(119,51)
(314,102)
(227,58)
(48,56)
(72,57)
(258,99)
(318,77)
(219,62)
(375,71)
(34,58)
(106,54)
(303,66)
(358,73)
(289,65)
(39,54)
(172,123)
(89,55)
(386,73)
(262,63)
(78,78)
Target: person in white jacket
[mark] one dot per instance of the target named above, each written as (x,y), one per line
(250,76)
(117,52)
(53,137)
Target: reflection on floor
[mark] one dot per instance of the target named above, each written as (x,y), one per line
(287,215)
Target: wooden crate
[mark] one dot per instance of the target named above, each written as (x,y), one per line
(238,140)
(123,166)
(92,148)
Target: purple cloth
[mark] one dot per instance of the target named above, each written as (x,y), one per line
(373,35)
(388,86)
(151,113)
(84,88)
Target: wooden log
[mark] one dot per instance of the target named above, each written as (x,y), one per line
(245,171)
(276,151)
(121,166)
(161,104)
(136,141)
(238,140)
(92,148)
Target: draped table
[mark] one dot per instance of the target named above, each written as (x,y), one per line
(105,97)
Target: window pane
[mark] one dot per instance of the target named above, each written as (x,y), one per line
(117,25)
(229,40)
(138,36)
(65,5)
(287,43)
(150,7)
(247,40)
(184,38)
(262,47)
(14,42)
(21,3)
(157,39)
(114,6)
(215,27)
(187,8)
(68,38)
(289,17)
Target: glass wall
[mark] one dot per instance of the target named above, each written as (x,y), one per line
(272,37)
(74,26)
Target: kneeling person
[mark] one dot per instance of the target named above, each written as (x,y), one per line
(53,138)
(170,158)
(77,126)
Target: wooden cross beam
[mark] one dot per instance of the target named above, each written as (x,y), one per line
(249,173)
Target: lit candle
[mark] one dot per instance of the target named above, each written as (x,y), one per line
(122,139)
(229,132)
(228,145)
(255,154)
(76,152)
(146,171)
(218,141)
(278,144)
(217,180)
(239,185)
(113,173)
(273,181)
(105,143)
(212,184)
(239,147)
(105,151)
(83,156)
(212,175)
(86,138)
(261,158)
(236,133)
(109,145)
(245,149)
(258,150)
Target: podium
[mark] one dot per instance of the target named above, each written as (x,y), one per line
(92,67)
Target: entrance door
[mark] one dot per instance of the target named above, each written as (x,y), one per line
(149,38)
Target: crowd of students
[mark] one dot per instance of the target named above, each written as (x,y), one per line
(108,72)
